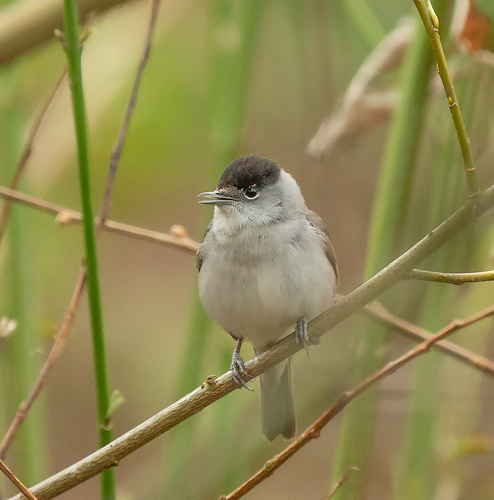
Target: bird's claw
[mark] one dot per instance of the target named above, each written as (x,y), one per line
(238,369)
(302,334)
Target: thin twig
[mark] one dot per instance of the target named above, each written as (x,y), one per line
(432,27)
(69,317)
(117,149)
(418,334)
(314,430)
(338,485)
(15,480)
(28,148)
(55,352)
(457,279)
(216,388)
(67,216)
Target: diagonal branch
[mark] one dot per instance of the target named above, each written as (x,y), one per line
(15,480)
(66,216)
(216,388)
(26,153)
(414,332)
(314,430)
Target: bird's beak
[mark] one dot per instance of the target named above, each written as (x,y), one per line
(216,198)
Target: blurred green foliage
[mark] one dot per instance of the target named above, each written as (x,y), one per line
(225,78)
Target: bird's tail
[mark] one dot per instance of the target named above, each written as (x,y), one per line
(277,409)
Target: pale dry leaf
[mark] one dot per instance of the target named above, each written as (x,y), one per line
(361,107)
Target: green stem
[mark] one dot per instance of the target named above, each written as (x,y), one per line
(454,107)
(73,49)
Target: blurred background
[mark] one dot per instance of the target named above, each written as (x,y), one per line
(228,78)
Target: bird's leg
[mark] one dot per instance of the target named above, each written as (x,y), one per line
(302,334)
(238,365)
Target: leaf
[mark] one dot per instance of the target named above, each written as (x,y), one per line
(116,400)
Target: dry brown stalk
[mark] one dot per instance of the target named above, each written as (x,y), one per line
(67,216)
(314,430)
(15,480)
(28,148)
(339,484)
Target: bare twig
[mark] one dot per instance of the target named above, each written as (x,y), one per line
(418,334)
(338,485)
(431,23)
(55,352)
(117,149)
(67,216)
(452,278)
(15,480)
(216,388)
(81,282)
(28,148)
(314,430)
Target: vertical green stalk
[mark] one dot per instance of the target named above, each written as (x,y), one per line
(388,218)
(73,49)
(18,366)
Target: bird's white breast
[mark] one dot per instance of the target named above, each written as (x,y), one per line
(258,281)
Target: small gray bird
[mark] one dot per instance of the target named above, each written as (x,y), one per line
(266,267)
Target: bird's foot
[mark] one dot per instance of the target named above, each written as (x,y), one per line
(238,369)
(302,334)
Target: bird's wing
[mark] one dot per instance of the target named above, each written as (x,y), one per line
(200,252)
(316,221)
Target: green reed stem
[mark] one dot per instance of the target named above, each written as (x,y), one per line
(73,49)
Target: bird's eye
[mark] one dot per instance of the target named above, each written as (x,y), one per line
(251,192)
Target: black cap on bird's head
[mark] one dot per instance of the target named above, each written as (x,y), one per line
(246,175)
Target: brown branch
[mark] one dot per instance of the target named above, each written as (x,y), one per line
(67,216)
(339,484)
(26,153)
(30,23)
(81,282)
(314,430)
(457,279)
(216,388)
(117,149)
(414,332)
(55,352)
(15,480)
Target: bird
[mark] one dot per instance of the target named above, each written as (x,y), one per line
(266,268)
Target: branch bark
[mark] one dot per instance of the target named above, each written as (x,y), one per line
(215,388)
